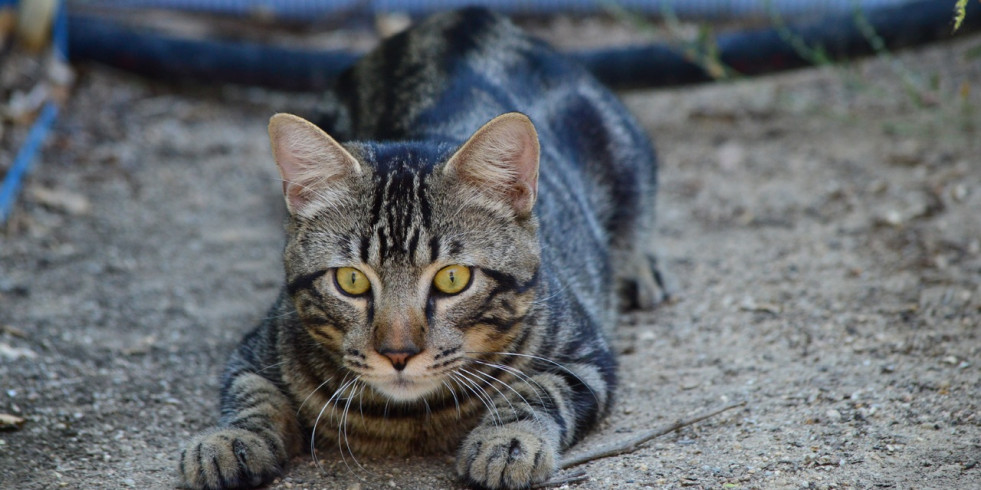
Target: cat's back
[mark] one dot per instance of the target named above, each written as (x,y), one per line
(447,76)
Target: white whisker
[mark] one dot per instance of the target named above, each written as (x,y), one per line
(311,394)
(520,375)
(313,434)
(342,431)
(491,384)
(544,359)
(456,402)
(508,386)
(482,395)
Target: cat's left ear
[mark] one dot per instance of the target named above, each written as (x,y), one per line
(312,164)
(500,161)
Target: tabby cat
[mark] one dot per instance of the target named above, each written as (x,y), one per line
(450,268)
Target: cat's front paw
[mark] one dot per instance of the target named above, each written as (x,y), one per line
(231,458)
(511,456)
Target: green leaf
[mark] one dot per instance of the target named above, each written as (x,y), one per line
(960,11)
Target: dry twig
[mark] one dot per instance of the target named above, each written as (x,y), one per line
(628,445)
(558,481)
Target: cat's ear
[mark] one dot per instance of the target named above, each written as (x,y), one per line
(500,160)
(311,163)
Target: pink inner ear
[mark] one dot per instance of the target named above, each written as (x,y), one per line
(310,162)
(528,165)
(501,161)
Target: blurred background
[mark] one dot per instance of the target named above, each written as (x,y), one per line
(301,45)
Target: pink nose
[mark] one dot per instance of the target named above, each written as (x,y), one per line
(399,358)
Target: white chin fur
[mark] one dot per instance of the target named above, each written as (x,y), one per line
(403,389)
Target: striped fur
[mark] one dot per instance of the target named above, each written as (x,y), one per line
(550,212)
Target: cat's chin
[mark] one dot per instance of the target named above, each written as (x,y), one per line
(404,389)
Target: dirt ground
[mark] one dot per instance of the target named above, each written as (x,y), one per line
(822,230)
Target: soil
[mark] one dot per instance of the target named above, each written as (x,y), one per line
(821,230)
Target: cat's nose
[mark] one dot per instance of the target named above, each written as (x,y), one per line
(399,358)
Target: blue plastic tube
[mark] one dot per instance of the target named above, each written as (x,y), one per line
(27,154)
(25,157)
(748,52)
(314,10)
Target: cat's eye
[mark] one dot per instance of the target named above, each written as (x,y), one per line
(452,279)
(352,281)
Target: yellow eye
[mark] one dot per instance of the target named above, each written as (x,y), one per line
(452,279)
(352,281)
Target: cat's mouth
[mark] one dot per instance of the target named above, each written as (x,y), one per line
(402,387)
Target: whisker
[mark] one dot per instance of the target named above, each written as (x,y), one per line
(275,364)
(481,394)
(499,392)
(311,394)
(429,414)
(553,294)
(526,379)
(342,431)
(456,402)
(316,423)
(277,317)
(360,406)
(545,359)
(467,389)
(457,382)
(508,386)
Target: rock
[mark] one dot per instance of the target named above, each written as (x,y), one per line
(61,200)
(10,422)
(14,353)
(731,156)
(833,415)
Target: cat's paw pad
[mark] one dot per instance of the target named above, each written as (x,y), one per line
(231,458)
(505,457)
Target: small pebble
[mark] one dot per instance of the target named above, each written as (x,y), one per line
(833,415)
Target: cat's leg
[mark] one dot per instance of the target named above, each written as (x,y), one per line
(258,433)
(642,282)
(519,443)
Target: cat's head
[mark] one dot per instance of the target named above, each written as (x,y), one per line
(405,259)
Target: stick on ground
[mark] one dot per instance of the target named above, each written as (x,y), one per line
(631,444)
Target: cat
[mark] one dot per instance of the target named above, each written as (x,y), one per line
(452,268)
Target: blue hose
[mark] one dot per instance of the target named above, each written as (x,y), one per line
(10,186)
(313,10)
(170,58)
(767,50)
(899,23)
(749,52)
(25,158)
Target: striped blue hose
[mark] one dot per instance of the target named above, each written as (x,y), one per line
(307,10)
(748,52)
(27,154)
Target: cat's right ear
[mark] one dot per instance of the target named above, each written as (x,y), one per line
(311,163)
(500,161)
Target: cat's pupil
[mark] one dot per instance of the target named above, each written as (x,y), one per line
(452,277)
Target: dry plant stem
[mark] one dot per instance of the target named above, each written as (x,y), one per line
(574,477)
(631,444)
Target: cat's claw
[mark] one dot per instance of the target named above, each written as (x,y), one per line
(506,458)
(231,458)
